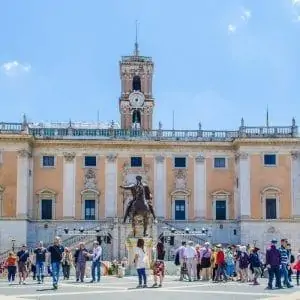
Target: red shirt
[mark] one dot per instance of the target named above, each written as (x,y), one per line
(297,266)
(220,259)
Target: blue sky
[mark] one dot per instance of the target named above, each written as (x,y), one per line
(215,61)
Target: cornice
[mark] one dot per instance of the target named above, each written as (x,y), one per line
(266,141)
(16,137)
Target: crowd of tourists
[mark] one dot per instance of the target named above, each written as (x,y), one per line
(195,262)
(238,262)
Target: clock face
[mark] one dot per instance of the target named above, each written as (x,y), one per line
(136,99)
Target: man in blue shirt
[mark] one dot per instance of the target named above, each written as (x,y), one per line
(285,260)
(56,252)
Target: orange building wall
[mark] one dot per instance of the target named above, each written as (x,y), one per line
(278,176)
(51,178)
(8,179)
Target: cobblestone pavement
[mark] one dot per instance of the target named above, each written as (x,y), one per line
(125,289)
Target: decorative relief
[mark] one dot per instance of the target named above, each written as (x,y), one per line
(90,179)
(111,157)
(129,174)
(159,159)
(295,154)
(69,156)
(241,155)
(200,158)
(180,179)
(24,153)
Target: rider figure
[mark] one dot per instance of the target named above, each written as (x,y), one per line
(134,190)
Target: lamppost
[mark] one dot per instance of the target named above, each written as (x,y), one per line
(13,244)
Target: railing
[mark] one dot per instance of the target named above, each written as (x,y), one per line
(10,127)
(90,133)
(137,58)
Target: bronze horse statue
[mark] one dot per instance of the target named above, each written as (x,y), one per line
(140,205)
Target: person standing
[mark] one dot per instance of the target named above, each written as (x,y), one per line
(220,261)
(190,256)
(159,265)
(179,259)
(96,263)
(140,263)
(56,254)
(80,256)
(296,267)
(67,261)
(11,267)
(40,260)
(22,258)
(285,261)
(205,261)
(255,265)
(273,262)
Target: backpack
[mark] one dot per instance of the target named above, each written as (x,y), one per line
(177,260)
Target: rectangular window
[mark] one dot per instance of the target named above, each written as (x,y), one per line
(180,162)
(46,212)
(136,162)
(90,210)
(219,162)
(48,161)
(220,210)
(271,210)
(90,161)
(270,159)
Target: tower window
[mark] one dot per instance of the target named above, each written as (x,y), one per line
(136,83)
(136,117)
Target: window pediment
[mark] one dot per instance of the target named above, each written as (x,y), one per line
(180,192)
(89,191)
(271,190)
(220,193)
(46,191)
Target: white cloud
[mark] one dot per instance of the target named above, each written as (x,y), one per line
(12,68)
(296,2)
(246,15)
(242,19)
(231,29)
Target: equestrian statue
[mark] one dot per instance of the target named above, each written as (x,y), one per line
(140,205)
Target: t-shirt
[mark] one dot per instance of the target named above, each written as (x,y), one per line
(40,254)
(141,257)
(23,255)
(56,252)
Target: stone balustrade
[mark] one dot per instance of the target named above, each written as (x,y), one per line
(93,132)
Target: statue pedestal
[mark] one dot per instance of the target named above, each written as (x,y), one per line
(131,243)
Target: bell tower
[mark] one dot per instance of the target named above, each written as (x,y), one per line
(136,102)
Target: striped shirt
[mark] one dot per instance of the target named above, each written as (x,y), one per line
(284,256)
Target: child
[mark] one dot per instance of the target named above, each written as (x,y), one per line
(11,267)
(296,267)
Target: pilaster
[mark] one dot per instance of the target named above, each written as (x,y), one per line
(23,184)
(111,188)
(160,186)
(295,170)
(69,180)
(200,205)
(244,187)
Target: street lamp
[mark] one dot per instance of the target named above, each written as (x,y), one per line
(98,229)
(81,230)
(187,230)
(173,230)
(66,230)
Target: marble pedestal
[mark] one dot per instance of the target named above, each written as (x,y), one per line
(131,243)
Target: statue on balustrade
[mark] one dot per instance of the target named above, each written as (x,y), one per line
(140,205)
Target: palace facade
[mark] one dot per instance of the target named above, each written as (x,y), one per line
(242,186)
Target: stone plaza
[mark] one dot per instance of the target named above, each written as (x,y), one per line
(125,288)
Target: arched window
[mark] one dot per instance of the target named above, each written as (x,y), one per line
(46,204)
(90,204)
(136,83)
(136,117)
(271,203)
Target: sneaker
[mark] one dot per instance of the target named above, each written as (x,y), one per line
(154,285)
(55,286)
(139,286)
(145,286)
